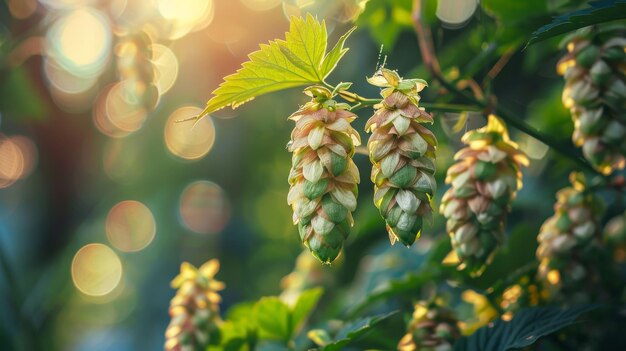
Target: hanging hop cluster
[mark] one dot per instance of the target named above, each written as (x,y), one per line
(484,182)
(194,311)
(432,328)
(525,293)
(402,151)
(323,176)
(595,93)
(569,245)
(136,71)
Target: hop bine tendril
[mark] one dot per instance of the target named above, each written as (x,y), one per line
(484,182)
(402,151)
(323,176)
(194,310)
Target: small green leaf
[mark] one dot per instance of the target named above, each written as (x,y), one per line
(523,330)
(298,60)
(334,55)
(272,317)
(353,330)
(306,302)
(319,336)
(599,12)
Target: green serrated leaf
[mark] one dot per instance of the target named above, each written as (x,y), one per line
(523,330)
(335,54)
(355,329)
(272,317)
(600,11)
(305,304)
(300,59)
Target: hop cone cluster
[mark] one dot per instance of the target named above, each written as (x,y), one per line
(135,69)
(595,92)
(323,177)
(484,182)
(432,328)
(569,245)
(525,293)
(194,311)
(402,151)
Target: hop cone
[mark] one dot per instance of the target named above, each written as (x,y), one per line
(484,182)
(569,245)
(432,328)
(595,92)
(323,177)
(402,152)
(525,293)
(195,308)
(135,69)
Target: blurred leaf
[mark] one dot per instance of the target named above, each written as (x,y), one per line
(599,12)
(523,330)
(386,19)
(298,60)
(516,20)
(272,317)
(320,337)
(304,306)
(18,95)
(271,346)
(353,330)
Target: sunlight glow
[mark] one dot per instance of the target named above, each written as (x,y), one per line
(96,270)
(130,226)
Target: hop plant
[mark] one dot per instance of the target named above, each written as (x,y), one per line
(323,176)
(484,182)
(595,93)
(432,328)
(194,310)
(524,293)
(570,245)
(402,151)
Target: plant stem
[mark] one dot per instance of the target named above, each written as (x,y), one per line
(430,61)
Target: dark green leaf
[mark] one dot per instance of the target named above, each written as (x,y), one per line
(353,330)
(272,317)
(599,12)
(524,329)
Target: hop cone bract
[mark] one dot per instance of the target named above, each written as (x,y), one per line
(595,92)
(570,246)
(402,151)
(194,311)
(484,182)
(323,177)
(432,328)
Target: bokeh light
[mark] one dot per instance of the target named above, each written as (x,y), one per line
(124,112)
(336,11)
(185,16)
(22,9)
(96,270)
(455,13)
(18,156)
(165,67)
(80,41)
(188,140)
(204,208)
(130,226)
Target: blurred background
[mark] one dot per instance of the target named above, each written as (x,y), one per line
(103,195)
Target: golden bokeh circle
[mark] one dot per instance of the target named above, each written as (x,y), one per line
(189,140)
(130,226)
(96,270)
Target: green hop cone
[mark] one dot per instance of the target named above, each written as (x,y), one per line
(484,182)
(194,310)
(402,151)
(432,328)
(595,92)
(323,176)
(570,248)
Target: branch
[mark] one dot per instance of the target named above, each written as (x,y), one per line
(430,61)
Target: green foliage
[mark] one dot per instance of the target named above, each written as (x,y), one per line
(19,96)
(386,19)
(523,330)
(600,11)
(300,59)
(350,332)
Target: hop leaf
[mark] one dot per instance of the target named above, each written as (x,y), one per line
(298,60)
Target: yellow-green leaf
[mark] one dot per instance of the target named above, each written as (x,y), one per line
(298,60)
